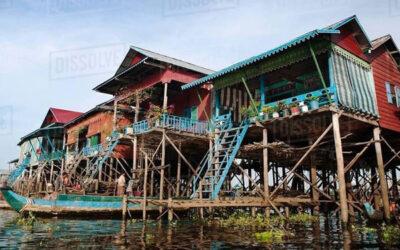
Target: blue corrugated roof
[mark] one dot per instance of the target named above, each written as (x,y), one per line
(333,29)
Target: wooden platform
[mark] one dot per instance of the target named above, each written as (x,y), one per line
(229,202)
(4,205)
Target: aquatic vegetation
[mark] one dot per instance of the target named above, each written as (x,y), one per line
(244,219)
(275,235)
(149,239)
(391,234)
(22,221)
(302,218)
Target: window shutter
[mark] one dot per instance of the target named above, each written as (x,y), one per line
(389,93)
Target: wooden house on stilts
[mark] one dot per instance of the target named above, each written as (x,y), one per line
(308,133)
(312,123)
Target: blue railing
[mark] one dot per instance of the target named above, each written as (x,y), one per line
(17,172)
(93,149)
(56,155)
(181,124)
(325,96)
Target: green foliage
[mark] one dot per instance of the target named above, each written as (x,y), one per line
(275,235)
(302,218)
(312,98)
(267,109)
(391,234)
(248,112)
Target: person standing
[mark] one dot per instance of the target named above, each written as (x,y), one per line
(121,185)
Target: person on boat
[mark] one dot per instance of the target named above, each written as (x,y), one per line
(121,185)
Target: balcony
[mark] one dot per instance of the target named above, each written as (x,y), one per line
(306,102)
(49,156)
(96,149)
(177,123)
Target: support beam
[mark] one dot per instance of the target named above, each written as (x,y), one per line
(313,173)
(178,172)
(381,171)
(340,168)
(146,169)
(265,169)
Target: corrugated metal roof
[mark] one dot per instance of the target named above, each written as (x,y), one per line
(333,29)
(171,60)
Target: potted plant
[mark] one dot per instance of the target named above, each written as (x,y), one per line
(275,111)
(283,108)
(248,112)
(294,108)
(266,111)
(154,114)
(303,106)
(313,101)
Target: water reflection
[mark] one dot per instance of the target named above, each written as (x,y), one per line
(61,233)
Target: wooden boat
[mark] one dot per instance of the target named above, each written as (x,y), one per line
(72,205)
(373,215)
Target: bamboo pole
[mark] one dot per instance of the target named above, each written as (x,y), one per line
(381,171)
(340,168)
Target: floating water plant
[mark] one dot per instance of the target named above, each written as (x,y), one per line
(302,218)
(275,235)
(391,234)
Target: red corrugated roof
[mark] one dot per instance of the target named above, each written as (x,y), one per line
(64,116)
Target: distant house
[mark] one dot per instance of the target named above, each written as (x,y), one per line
(46,143)
(89,132)
(385,61)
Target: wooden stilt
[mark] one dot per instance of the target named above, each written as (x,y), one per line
(146,169)
(315,194)
(265,169)
(124,206)
(340,168)
(395,190)
(165,104)
(178,172)
(381,171)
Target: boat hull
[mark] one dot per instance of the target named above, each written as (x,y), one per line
(71,205)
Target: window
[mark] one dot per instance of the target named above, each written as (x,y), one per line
(393,94)
(191,112)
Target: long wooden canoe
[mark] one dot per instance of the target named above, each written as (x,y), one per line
(72,205)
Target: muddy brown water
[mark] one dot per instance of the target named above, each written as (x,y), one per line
(113,234)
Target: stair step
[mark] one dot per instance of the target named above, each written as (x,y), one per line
(230,130)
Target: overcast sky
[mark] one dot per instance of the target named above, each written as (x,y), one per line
(53,52)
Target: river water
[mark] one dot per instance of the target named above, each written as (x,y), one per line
(63,233)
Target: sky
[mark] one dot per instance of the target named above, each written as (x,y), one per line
(54,52)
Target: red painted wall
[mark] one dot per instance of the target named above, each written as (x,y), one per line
(189,98)
(384,69)
(347,41)
(100,123)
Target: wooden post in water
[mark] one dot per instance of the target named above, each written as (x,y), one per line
(313,173)
(165,104)
(340,168)
(146,169)
(201,210)
(381,171)
(375,189)
(178,171)
(124,206)
(265,169)
(170,210)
